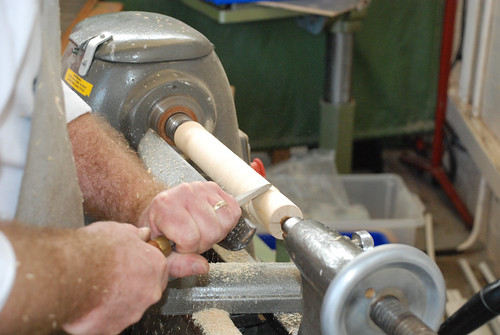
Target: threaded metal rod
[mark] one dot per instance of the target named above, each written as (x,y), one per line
(395,319)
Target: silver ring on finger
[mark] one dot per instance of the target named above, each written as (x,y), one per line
(219,205)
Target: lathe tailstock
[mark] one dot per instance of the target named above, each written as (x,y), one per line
(160,83)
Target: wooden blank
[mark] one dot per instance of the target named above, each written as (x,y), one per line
(234,175)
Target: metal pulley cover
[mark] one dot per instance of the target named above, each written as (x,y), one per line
(142,37)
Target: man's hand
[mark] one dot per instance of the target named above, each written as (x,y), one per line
(135,280)
(185,214)
(117,187)
(95,280)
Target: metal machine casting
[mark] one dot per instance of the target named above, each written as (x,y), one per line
(344,280)
(142,71)
(137,69)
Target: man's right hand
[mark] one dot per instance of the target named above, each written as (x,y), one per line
(135,278)
(186,215)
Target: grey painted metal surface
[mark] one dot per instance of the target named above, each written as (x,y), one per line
(320,253)
(164,162)
(165,38)
(341,281)
(237,288)
(394,270)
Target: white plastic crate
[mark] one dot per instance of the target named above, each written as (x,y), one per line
(374,202)
(393,210)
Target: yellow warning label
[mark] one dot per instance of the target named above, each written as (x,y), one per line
(78,83)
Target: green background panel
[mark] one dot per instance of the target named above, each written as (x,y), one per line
(396,65)
(277,69)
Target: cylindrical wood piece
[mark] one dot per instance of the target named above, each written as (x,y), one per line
(234,175)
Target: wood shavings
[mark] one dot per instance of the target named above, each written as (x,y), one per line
(290,321)
(215,322)
(229,272)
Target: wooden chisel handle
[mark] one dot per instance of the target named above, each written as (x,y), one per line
(163,244)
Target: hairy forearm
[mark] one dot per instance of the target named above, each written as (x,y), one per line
(114,183)
(52,283)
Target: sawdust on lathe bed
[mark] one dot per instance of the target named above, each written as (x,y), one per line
(235,272)
(215,322)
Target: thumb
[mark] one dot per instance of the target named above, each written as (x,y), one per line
(145,233)
(182,265)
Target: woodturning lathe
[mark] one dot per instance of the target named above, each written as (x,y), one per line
(160,83)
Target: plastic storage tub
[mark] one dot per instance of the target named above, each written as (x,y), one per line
(394,210)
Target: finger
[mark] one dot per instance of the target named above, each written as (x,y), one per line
(176,223)
(207,221)
(228,203)
(145,233)
(215,213)
(231,207)
(182,265)
(229,214)
(200,228)
(164,273)
(225,217)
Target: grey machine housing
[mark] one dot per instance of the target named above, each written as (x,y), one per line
(144,67)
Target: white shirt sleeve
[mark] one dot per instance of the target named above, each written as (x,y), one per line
(73,104)
(7,269)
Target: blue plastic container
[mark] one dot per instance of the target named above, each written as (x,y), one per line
(378,238)
(270,240)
